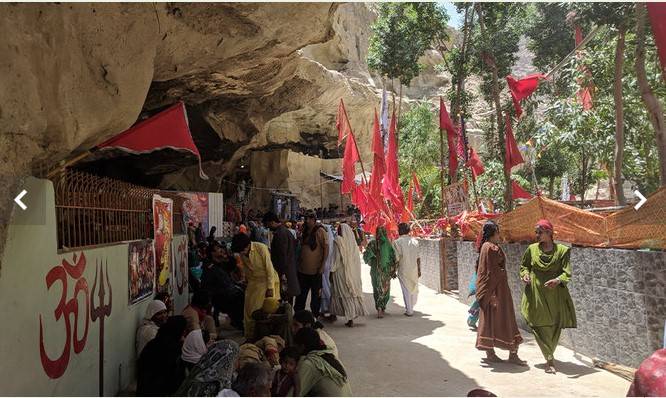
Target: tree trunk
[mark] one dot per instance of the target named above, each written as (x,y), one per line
(618,155)
(441,170)
(583,177)
(456,107)
(489,60)
(652,104)
(551,187)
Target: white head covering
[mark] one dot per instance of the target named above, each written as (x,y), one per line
(194,347)
(154,307)
(348,257)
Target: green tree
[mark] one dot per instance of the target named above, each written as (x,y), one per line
(402,33)
(418,152)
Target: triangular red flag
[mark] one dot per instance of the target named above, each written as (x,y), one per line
(522,88)
(378,165)
(407,215)
(584,93)
(167,129)
(349,165)
(474,163)
(512,156)
(391,186)
(417,185)
(517,192)
(446,124)
(657,14)
(342,122)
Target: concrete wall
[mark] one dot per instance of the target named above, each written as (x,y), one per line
(619,296)
(438,258)
(26,302)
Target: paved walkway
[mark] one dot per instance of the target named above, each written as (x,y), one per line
(433,354)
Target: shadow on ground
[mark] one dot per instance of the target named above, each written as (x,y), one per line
(391,362)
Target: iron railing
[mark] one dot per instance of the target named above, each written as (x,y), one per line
(93,210)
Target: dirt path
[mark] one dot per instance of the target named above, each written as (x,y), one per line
(433,354)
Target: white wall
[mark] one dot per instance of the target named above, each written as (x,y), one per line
(30,254)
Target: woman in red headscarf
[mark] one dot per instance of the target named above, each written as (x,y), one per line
(546,304)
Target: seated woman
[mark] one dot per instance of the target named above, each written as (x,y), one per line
(266,350)
(320,374)
(160,370)
(194,347)
(156,315)
(213,373)
(304,319)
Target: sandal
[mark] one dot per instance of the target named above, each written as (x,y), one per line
(550,368)
(492,357)
(514,359)
(350,323)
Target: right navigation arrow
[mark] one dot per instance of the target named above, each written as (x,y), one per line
(642,200)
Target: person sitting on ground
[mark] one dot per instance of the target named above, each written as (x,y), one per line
(159,369)
(156,315)
(166,299)
(254,380)
(228,297)
(305,319)
(266,350)
(194,348)
(320,373)
(284,382)
(197,314)
(213,373)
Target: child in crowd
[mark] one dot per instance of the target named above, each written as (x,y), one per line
(284,382)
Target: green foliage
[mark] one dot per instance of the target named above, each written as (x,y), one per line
(401,34)
(419,152)
(551,37)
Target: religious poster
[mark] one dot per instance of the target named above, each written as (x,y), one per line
(195,210)
(163,226)
(141,270)
(455,198)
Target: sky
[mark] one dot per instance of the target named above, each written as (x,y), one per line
(455,19)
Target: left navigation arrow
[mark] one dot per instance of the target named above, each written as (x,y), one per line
(18,197)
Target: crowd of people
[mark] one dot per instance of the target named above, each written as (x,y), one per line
(262,280)
(263,289)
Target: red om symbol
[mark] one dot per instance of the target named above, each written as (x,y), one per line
(182,266)
(56,368)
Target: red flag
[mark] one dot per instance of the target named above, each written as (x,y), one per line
(517,192)
(391,186)
(475,164)
(167,129)
(378,160)
(512,156)
(342,122)
(349,164)
(657,14)
(445,123)
(417,185)
(523,88)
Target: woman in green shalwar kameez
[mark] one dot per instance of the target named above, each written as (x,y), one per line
(546,304)
(379,255)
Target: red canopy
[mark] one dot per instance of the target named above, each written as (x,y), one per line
(167,129)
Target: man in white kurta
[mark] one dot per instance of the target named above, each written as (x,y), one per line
(409,266)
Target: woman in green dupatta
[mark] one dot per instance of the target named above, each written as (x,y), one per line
(379,255)
(546,304)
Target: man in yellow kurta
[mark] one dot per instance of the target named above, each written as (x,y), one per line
(262,280)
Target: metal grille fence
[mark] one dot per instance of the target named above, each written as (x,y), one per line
(93,210)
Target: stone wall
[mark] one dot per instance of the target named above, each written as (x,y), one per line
(438,257)
(619,296)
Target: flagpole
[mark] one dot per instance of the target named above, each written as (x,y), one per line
(344,109)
